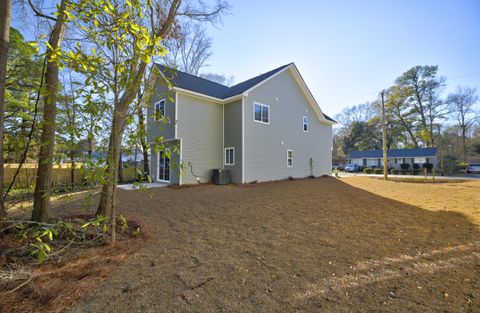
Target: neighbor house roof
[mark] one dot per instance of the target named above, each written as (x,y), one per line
(207,87)
(395,153)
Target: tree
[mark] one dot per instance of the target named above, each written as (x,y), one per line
(362,136)
(421,87)
(5,16)
(218,78)
(462,107)
(357,113)
(399,114)
(124,37)
(41,196)
(189,49)
(24,72)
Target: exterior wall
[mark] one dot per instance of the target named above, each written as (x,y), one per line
(174,165)
(373,162)
(156,129)
(199,127)
(266,145)
(232,113)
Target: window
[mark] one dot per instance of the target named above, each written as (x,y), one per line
(229,156)
(289,158)
(305,124)
(159,109)
(261,113)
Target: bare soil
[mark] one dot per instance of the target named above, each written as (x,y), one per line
(315,245)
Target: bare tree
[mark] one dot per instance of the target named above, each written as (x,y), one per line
(357,113)
(190,49)
(5,16)
(218,78)
(462,107)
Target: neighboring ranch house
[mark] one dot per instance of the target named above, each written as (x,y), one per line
(266,128)
(395,157)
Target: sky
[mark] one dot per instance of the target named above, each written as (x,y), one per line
(348,51)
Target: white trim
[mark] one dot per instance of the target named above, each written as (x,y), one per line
(197,95)
(176,114)
(164,114)
(232,98)
(158,170)
(289,150)
(180,174)
(223,132)
(261,104)
(225,157)
(303,123)
(243,141)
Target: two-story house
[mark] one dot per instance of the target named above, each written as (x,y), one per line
(266,128)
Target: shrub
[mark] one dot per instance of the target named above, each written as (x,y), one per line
(378,170)
(416,166)
(404,166)
(368,170)
(394,171)
(428,166)
(462,165)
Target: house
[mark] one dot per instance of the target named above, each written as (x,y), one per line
(266,128)
(395,157)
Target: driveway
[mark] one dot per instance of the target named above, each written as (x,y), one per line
(314,245)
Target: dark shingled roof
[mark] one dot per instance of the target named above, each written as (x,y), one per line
(394,153)
(210,88)
(207,87)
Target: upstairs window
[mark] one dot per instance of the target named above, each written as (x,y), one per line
(305,124)
(261,113)
(289,158)
(229,156)
(159,109)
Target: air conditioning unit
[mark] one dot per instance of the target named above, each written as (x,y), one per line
(220,177)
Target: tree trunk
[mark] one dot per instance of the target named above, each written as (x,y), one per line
(143,141)
(43,184)
(5,16)
(111,172)
(464,144)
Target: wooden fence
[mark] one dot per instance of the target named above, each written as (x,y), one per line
(61,174)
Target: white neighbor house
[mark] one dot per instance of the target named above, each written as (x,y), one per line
(266,128)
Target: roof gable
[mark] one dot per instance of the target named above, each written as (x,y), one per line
(209,88)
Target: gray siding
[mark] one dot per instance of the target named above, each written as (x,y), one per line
(156,129)
(174,164)
(266,145)
(201,131)
(233,137)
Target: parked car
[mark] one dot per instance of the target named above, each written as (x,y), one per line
(338,166)
(352,168)
(473,168)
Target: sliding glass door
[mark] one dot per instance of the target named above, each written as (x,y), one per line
(163,173)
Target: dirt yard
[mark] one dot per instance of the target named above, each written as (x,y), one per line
(316,245)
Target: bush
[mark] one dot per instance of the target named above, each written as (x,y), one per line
(404,166)
(378,170)
(462,165)
(368,170)
(416,166)
(394,171)
(428,166)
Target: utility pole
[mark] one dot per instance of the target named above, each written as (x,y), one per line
(384,139)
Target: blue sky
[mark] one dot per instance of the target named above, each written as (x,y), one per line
(347,51)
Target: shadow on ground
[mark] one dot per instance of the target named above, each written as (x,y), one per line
(293,246)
